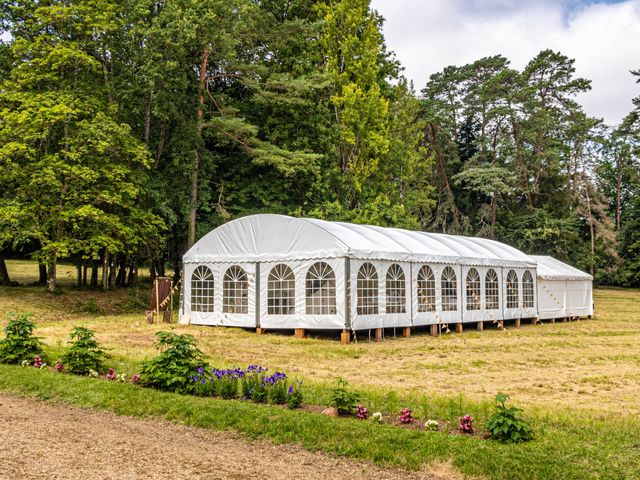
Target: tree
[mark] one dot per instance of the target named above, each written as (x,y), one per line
(73,173)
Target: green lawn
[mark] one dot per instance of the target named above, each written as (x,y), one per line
(578,381)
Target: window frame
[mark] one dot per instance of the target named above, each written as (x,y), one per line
(281,280)
(235,285)
(395,290)
(426,290)
(202,288)
(473,288)
(325,304)
(445,292)
(491,291)
(367,304)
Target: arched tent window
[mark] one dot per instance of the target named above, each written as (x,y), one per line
(235,291)
(367,290)
(473,289)
(426,290)
(281,291)
(202,289)
(449,290)
(527,290)
(491,290)
(512,289)
(320,290)
(396,290)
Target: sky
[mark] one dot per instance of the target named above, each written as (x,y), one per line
(602,36)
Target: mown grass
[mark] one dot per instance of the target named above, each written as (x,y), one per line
(565,447)
(579,382)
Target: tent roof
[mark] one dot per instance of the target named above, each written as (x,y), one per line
(267,237)
(550,268)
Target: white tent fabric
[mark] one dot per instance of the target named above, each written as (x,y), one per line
(563,291)
(269,238)
(259,243)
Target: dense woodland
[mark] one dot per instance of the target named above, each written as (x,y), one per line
(129,129)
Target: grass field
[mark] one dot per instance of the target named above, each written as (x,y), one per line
(579,382)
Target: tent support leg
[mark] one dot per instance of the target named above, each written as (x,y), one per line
(458,328)
(553,320)
(378,334)
(517,323)
(299,333)
(480,326)
(345,337)
(433,330)
(406,332)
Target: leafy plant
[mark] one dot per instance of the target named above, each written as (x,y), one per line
(361,412)
(406,417)
(465,424)
(505,425)
(20,344)
(344,400)
(295,396)
(85,353)
(173,368)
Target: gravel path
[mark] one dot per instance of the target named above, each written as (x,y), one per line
(43,440)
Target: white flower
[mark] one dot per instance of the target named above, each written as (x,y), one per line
(377,417)
(432,425)
(25,363)
(122,378)
(43,365)
(93,373)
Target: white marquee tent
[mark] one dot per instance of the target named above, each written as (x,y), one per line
(279,272)
(563,291)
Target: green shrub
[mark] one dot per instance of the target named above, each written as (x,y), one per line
(20,345)
(174,367)
(342,399)
(84,353)
(295,398)
(89,306)
(278,393)
(505,425)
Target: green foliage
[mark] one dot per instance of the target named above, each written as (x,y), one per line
(171,370)
(341,398)
(295,399)
(505,425)
(20,344)
(84,353)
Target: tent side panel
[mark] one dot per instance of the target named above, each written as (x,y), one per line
(579,298)
(551,299)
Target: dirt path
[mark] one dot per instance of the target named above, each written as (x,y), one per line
(42,440)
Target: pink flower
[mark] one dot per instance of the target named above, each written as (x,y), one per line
(406,417)
(111,374)
(465,424)
(37,362)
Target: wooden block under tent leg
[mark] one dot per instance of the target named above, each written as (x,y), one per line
(299,333)
(345,337)
(406,332)
(259,331)
(458,328)
(378,334)
(480,326)
(433,330)
(517,322)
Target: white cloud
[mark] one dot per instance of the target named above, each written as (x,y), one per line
(604,39)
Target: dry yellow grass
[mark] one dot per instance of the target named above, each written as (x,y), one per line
(590,364)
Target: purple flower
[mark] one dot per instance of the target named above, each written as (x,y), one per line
(290,390)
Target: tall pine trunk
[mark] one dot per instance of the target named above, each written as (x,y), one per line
(195,165)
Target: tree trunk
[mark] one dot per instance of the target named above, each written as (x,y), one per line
(51,275)
(85,267)
(4,273)
(105,270)
(112,273)
(618,193)
(195,165)
(132,281)
(94,274)
(79,275)
(591,230)
(42,274)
